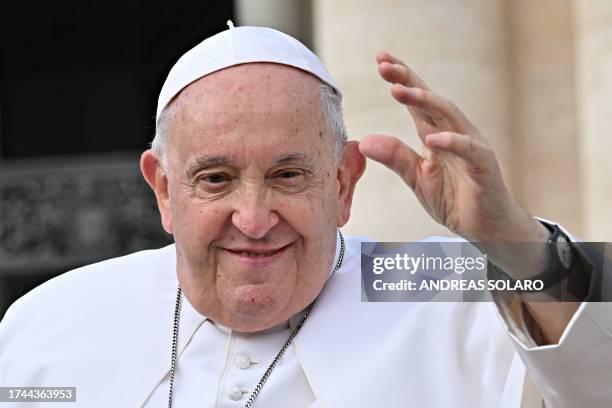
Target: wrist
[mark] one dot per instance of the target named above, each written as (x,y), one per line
(516,225)
(549,262)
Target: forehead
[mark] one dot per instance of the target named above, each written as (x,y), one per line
(247,87)
(251,105)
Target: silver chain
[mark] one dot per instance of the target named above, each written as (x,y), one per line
(175,329)
(279,355)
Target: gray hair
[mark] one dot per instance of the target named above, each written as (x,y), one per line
(331,106)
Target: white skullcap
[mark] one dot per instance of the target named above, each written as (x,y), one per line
(235,46)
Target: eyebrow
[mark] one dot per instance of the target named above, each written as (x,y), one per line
(293,158)
(204,162)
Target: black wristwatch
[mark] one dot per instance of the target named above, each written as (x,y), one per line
(561,259)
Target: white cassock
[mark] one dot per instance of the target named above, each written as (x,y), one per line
(106,329)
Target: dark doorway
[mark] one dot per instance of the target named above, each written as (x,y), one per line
(78,89)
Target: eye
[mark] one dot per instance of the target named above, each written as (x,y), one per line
(289,177)
(215,178)
(289,174)
(214,182)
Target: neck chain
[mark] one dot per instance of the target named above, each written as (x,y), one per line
(273,364)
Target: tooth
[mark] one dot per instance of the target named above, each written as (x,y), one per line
(258,255)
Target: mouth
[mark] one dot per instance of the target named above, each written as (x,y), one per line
(261,257)
(257,254)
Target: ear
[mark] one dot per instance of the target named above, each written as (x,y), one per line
(350,170)
(157,179)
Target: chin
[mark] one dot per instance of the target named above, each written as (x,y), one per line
(258,304)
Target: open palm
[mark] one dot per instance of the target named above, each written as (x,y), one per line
(457,178)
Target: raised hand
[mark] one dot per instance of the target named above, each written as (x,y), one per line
(457,178)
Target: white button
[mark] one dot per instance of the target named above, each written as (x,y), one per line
(234,393)
(242,361)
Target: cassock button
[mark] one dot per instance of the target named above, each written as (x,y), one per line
(242,361)
(235,393)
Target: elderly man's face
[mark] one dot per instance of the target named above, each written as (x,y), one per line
(252,193)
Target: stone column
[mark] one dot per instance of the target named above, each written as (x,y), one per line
(290,16)
(458,47)
(544,110)
(594,73)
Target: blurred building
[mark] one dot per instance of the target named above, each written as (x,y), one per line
(78,86)
(536,77)
(78,91)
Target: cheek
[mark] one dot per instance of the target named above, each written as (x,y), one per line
(196,223)
(308,214)
(315,221)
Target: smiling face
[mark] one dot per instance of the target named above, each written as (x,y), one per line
(251,193)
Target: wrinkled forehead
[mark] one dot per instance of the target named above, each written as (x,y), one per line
(244,89)
(250,81)
(266,109)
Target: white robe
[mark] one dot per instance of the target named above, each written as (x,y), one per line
(106,330)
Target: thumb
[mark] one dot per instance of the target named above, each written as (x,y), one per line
(393,153)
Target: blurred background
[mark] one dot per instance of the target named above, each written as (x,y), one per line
(79,83)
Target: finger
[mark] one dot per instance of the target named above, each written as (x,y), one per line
(392,74)
(394,154)
(442,111)
(479,157)
(400,74)
(429,155)
(383,55)
(394,70)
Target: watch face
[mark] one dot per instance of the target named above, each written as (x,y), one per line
(564,251)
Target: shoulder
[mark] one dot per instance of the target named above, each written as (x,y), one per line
(355,247)
(356,240)
(58,327)
(480,317)
(80,327)
(98,284)
(464,336)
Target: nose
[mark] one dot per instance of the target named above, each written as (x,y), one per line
(254,215)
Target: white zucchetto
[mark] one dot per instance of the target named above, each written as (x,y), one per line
(240,45)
